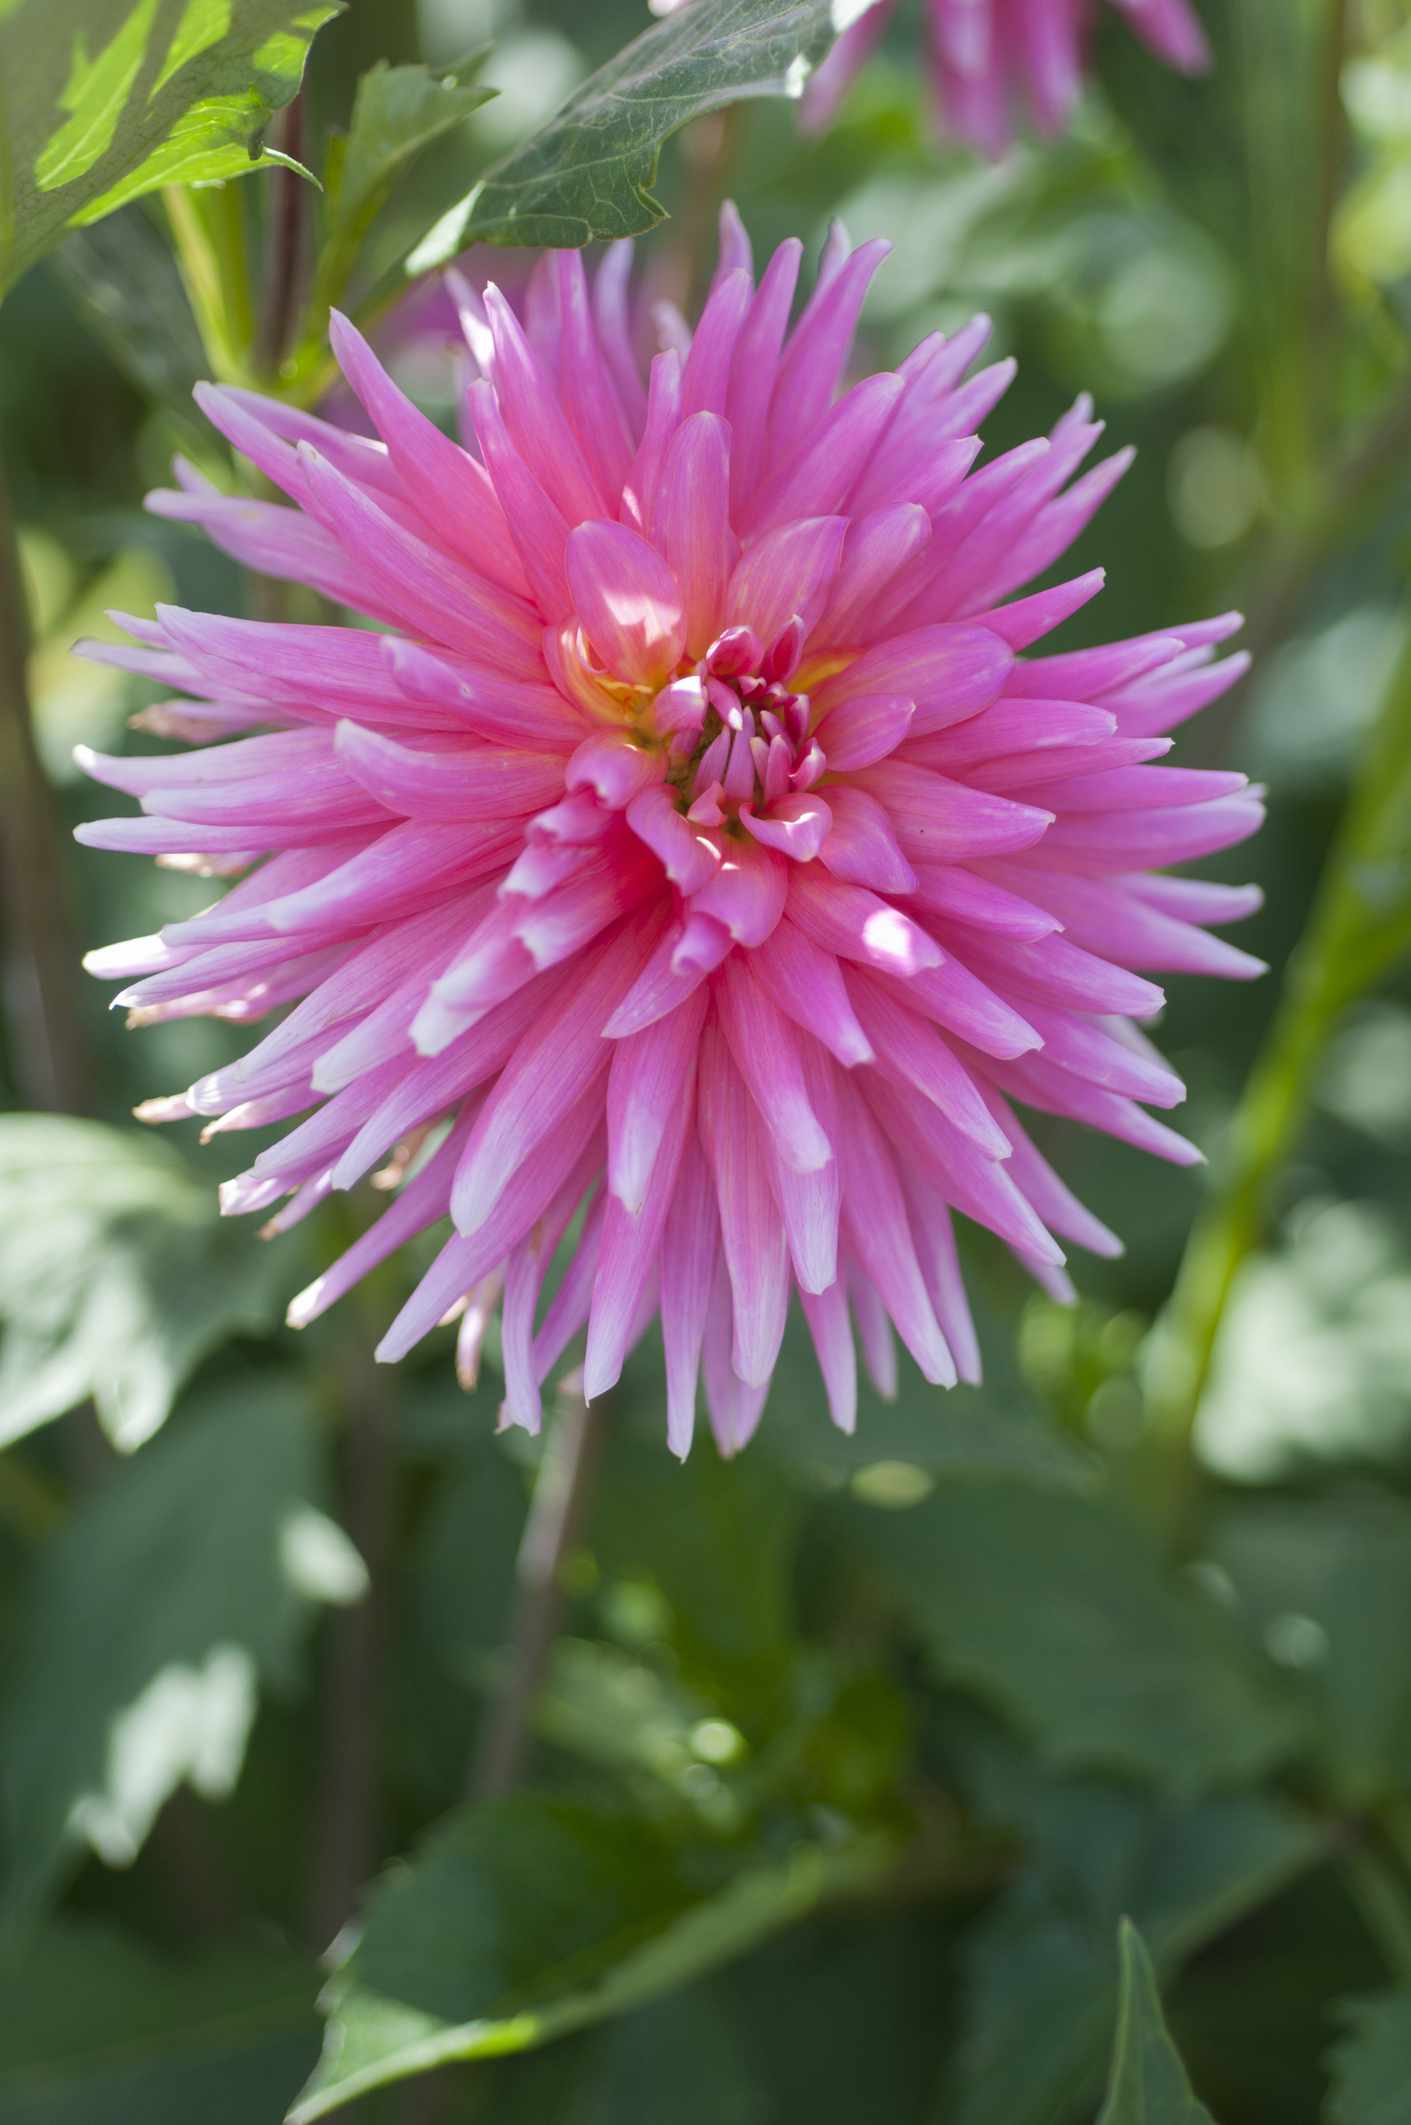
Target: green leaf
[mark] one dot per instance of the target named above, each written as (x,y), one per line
(103,100)
(122,279)
(150,1620)
(590,172)
(95,2025)
(534,1916)
(117,1276)
(1328,1583)
(716,1548)
(1041,1969)
(999,1429)
(1371,2065)
(680,2059)
(398,112)
(1148,2084)
(1052,1608)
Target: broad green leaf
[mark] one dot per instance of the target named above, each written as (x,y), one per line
(1148,2083)
(533,1916)
(151,1619)
(590,172)
(1052,1608)
(1328,1584)
(116,1275)
(398,112)
(97,2026)
(715,1546)
(1371,2064)
(1041,1971)
(680,2059)
(103,100)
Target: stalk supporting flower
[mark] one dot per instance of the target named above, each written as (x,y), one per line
(694,858)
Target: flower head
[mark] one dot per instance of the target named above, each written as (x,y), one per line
(693,847)
(998,61)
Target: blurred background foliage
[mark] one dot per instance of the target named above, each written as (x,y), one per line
(852,1755)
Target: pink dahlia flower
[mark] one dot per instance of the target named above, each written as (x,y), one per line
(691,847)
(998,60)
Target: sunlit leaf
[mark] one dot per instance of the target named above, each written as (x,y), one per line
(590,172)
(102,102)
(116,1275)
(152,1618)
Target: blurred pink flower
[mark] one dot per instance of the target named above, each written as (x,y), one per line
(692,847)
(997,62)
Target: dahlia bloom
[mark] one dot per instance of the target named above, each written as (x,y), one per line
(996,60)
(691,852)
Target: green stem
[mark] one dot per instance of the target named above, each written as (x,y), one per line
(555,1520)
(291,192)
(1361,922)
(212,252)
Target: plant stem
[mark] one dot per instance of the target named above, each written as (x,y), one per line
(556,1515)
(288,221)
(212,253)
(49,1050)
(1360,923)
(710,150)
(1332,127)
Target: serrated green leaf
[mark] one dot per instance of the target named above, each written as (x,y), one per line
(116,1276)
(95,2025)
(1148,2083)
(151,1619)
(1052,1608)
(1041,1972)
(102,102)
(589,173)
(1370,2065)
(534,1916)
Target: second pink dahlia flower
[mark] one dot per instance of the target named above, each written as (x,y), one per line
(693,845)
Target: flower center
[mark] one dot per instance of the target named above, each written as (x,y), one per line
(734,730)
